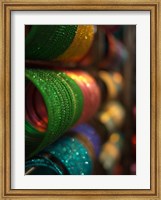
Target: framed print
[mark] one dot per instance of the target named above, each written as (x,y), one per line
(80,98)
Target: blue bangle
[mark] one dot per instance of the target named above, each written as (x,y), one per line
(90,133)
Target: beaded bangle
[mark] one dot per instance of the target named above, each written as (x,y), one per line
(64,102)
(45,42)
(80,45)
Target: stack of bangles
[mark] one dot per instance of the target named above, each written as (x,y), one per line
(65,43)
(73,154)
(56,101)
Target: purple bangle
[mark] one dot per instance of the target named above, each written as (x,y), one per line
(91,134)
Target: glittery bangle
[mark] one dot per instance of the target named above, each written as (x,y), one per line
(64,102)
(72,154)
(76,94)
(42,166)
(67,156)
(80,45)
(46,42)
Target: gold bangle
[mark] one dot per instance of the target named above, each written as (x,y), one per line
(80,45)
(109,84)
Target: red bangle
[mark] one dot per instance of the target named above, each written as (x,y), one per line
(90,92)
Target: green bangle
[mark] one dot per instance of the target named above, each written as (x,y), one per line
(78,96)
(64,103)
(45,42)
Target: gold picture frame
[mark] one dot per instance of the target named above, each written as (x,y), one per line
(7,6)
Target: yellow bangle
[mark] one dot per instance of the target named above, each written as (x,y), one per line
(112,92)
(80,45)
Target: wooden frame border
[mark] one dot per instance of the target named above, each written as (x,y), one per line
(7,6)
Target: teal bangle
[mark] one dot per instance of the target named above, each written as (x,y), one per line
(72,154)
(43,165)
(46,42)
(68,156)
(64,102)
